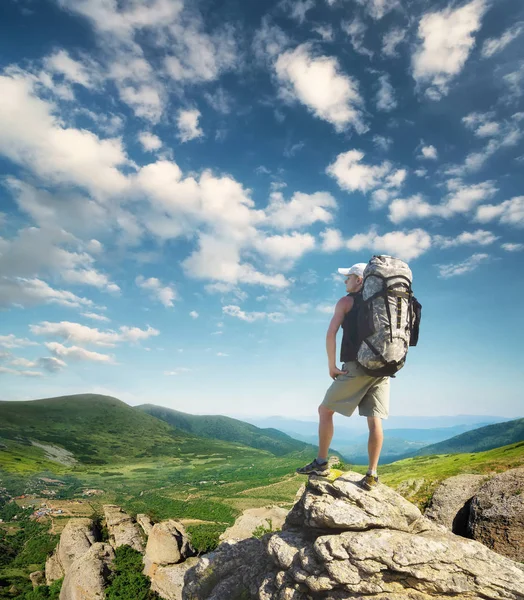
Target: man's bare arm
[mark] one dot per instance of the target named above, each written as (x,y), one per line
(344,305)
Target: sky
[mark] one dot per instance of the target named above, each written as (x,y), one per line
(180,181)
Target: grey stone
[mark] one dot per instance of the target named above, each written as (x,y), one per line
(451,501)
(37,578)
(340,542)
(145,522)
(252,518)
(86,579)
(497,514)
(123,530)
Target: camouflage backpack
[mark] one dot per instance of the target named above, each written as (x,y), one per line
(388,318)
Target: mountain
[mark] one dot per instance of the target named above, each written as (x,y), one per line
(227,429)
(93,429)
(478,440)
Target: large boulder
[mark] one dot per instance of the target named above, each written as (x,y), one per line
(77,537)
(86,579)
(340,542)
(167,546)
(252,518)
(451,501)
(122,528)
(496,516)
(37,578)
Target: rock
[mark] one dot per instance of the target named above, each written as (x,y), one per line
(145,522)
(86,578)
(167,546)
(340,542)
(451,502)
(122,529)
(253,518)
(168,580)
(497,514)
(37,578)
(76,539)
(53,569)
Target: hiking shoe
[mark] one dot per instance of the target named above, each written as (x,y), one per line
(314,468)
(368,482)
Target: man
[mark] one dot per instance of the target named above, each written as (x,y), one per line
(351,386)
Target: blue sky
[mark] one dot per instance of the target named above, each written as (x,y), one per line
(179,183)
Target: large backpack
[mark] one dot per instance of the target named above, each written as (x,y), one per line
(389,316)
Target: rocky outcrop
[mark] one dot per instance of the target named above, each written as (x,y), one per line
(87,576)
(37,578)
(451,502)
(145,522)
(340,542)
(167,546)
(76,539)
(252,518)
(496,516)
(122,529)
(168,580)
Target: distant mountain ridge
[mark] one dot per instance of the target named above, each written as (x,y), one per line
(228,429)
(478,440)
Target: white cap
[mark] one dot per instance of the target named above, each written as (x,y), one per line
(357,269)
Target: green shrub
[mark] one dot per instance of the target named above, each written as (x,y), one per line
(127,581)
(261,530)
(205,538)
(44,592)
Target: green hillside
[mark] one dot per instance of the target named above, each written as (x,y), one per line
(227,429)
(478,440)
(93,430)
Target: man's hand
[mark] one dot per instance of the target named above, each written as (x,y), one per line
(334,372)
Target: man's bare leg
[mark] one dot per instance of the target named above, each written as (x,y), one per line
(325,431)
(376,438)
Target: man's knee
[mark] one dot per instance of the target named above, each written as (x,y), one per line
(324,412)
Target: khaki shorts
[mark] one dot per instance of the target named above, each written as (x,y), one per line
(356,388)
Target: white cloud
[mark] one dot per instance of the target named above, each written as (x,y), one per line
(150,142)
(163,293)
(187,122)
(23,362)
(446,41)
(299,8)
(428,152)
(386,100)
(494,45)
(194,314)
(9,371)
(77,72)
(466,238)
(94,316)
(509,212)
(352,174)
(11,341)
(177,371)
(219,258)
(285,249)
(514,82)
(77,353)
(235,311)
(327,309)
(317,82)
(223,354)
(356,30)
(325,32)
(81,334)
(461,199)
(302,210)
(51,364)
(269,41)
(332,240)
(378,8)
(513,247)
(31,136)
(391,40)
(382,142)
(406,245)
(24,292)
(466,266)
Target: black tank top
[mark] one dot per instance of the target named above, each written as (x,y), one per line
(349,347)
